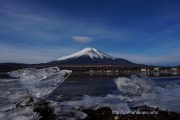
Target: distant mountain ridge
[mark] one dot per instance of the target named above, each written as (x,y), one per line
(86,59)
(91,56)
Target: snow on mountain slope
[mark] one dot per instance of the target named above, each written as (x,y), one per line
(90,52)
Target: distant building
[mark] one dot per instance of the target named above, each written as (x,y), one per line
(174,69)
(156,69)
(143,70)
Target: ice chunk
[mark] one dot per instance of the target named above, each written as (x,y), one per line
(28,108)
(40,82)
(134,86)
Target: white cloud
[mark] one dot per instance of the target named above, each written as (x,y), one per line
(82,39)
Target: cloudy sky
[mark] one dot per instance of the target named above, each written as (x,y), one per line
(143,31)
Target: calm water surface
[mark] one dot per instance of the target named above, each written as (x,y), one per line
(167,90)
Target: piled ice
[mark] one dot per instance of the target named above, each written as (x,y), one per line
(24,94)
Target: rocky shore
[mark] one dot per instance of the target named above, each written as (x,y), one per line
(143,113)
(43,110)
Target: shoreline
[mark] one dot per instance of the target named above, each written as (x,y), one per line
(48,111)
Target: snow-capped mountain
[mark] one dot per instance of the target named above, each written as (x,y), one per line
(91,56)
(89,52)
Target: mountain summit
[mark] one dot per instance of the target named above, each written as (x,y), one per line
(90,56)
(88,52)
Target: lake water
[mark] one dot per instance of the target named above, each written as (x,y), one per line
(118,93)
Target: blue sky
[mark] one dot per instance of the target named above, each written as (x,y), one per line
(142,31)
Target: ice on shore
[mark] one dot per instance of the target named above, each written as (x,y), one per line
(32,82)
(28,84)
